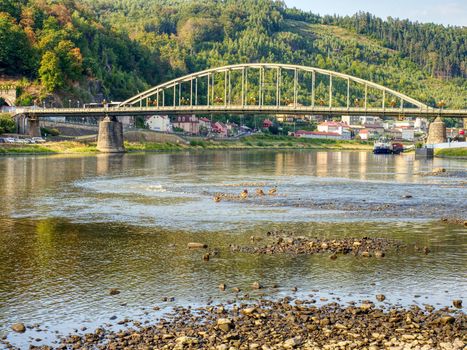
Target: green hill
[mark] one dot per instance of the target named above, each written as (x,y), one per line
(114,48)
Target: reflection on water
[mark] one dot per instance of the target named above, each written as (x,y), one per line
(71,228)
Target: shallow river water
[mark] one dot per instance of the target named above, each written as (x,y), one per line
(72,227)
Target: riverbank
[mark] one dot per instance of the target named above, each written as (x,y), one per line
(250,142)
(452,153)
(286,324)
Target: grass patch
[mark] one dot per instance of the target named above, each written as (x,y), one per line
(250,142)
(151,146)
(452,152)
(26,149)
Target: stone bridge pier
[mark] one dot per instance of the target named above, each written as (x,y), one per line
(28,125)
(436,132)
(110,137)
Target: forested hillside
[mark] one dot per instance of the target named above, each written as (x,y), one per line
(120,47)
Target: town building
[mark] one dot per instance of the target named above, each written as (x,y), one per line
(220,129)
(368,134)
(205,126)
(267,123)
(421,124)
(351,119)
(368,120)
(189,123)
(159,123)
(320,135)
(339,128)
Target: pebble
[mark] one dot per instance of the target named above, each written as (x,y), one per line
(114,291)
(256,285)
(196,245)
(281,324)
(380,297)
(281,243)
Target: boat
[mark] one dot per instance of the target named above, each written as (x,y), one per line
(385,146)
(382,146)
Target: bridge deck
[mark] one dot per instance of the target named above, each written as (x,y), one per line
(231,109)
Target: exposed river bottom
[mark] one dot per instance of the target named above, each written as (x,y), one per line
(332,250)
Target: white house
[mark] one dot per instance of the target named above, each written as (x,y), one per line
(159,123)
(321,135)
(421,124)
(351,119)
(407,134)
(368,120)
(335,127)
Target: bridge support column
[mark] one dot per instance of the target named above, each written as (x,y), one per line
(436,132)
(110,137)
(33,127)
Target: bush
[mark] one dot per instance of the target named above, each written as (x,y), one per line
(7,124)
(195,143)
(50,132)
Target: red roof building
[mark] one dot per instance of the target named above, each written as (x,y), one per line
(267,123)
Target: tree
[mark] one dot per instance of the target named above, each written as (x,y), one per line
(50,73)
(12,7)
(71,60)
(16,54)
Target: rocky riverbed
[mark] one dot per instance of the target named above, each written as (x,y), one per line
(283,242)
(286,324)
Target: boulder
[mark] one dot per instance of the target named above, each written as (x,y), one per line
(18,327)
(224,324)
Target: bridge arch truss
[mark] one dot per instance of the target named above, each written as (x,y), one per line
(271,87)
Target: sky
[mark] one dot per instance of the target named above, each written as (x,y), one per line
(447,12)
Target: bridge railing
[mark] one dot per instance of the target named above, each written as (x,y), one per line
(248,109)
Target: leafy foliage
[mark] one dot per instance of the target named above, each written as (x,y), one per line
(7,124)
(129,45)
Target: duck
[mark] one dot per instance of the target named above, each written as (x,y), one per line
(259,192)
(217,199)
(244,194)
(272,190)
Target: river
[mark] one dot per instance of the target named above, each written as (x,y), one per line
(72,227)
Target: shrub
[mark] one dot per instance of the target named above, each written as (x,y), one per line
(50,132)
(7,124)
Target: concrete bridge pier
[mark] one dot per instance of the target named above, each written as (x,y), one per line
(34,129)
(27,125)
(110,137)
(436,132)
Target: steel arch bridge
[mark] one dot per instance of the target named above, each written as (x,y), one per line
(184,91)
(262,88)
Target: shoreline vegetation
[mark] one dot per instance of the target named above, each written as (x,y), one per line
(250,142)
(452,153)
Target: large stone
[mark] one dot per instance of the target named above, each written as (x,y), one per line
(224,324)
(436,132)
(292,343)
(110,138)
(18,327)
